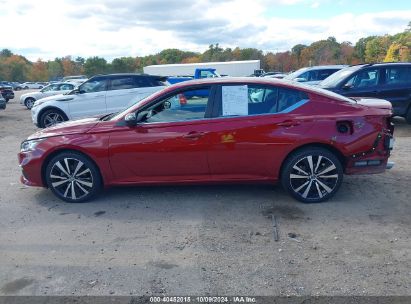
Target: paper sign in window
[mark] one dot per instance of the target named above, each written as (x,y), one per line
(235,100)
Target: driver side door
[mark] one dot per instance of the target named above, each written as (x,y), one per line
(90,99)
(170,145)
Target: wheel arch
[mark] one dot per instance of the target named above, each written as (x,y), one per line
(328,147)
(50,108)
(63,150)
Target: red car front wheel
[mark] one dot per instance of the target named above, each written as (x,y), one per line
(73,177)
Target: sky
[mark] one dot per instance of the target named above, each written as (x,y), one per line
(114,28)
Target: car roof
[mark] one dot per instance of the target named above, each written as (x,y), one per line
(321,67)
(262,81)
(382,64)
(128,74)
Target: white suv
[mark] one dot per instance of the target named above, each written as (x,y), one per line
(102,94)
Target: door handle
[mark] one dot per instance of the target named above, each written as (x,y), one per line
(193,135)
(289,123)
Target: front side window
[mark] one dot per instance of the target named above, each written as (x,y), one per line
(243,100)
(398,75)
(206,74)
(97,84)
(363,79)
(183,106)
(123,83)
(52,87)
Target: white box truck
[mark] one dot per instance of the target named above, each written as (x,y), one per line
(229,68)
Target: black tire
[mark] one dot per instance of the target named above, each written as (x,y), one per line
(51,117)
(7,100)
(73,178)
(408,116)
(26,88)
(28,102)
(40,87)
(312,175)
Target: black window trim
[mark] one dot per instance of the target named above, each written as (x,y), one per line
(218,91)
(207,115)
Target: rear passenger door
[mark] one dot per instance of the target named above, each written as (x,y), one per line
(253,128)
(396,88)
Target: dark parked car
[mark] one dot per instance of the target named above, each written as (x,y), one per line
(2,103)
(244,130)
(389,81)
(6,91)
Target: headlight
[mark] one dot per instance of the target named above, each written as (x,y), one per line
(30,145)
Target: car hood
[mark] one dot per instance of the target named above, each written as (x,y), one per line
(32,94)
(373,103)
(59,97)
(67,128)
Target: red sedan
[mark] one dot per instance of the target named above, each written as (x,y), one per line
(216,130)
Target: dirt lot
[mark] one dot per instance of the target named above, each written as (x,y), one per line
(204,240)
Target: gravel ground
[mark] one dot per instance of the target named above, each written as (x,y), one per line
(208,240)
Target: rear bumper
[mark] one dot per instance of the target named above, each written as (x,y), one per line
(8,95)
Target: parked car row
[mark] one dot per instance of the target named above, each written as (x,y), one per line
(99,95)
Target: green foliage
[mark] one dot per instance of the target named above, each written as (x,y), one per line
(95,65)
(329,51)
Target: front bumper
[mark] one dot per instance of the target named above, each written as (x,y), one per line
(31,166)
(34,112)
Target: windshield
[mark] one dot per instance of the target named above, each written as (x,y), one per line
(334,79)
(295,74)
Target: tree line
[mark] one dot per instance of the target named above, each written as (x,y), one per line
(388,48)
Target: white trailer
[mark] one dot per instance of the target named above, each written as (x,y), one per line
(229,68)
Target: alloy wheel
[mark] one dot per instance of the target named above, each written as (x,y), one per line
(52,118)
(71,178)
(29,103)
(314,177)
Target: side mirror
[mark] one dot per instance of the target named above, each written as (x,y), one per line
(346,87)
(131,119)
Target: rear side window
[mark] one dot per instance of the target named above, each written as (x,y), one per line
(322,74)
(398,75)
(122,83)
(142,82)
(243,100)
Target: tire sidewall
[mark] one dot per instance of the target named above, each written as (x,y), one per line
(27,101)
(97,181)
(296,157)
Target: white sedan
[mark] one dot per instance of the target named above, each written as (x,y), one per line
(28,99)
(33,85)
